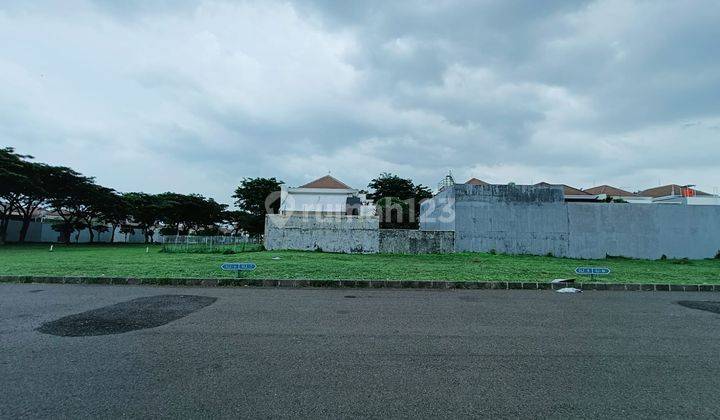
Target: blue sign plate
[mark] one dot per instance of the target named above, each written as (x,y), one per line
(238,266)
(593,271)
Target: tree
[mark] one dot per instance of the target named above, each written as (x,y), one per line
(115,211)
(146,210)
(127,229)
(96,199)
(258,197)
(211,215)
(13,179)
(398,201)
(71,197)
(34,193)
(65,229)
(100,229)
(240,220)
(183,214)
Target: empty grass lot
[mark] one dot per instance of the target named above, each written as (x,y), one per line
(133,261)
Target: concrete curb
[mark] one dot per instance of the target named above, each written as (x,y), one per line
(365,284)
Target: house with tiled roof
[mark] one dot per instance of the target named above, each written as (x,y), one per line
(326,195)
(571,193)
(605,192)
(475,181)
(680,194)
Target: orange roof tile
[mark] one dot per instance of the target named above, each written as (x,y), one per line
(327,182)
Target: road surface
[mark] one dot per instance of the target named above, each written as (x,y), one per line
(324,353)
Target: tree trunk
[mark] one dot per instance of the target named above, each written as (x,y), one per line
(27,212)
(24,229)
(112,235)
(4,222)
(90,234)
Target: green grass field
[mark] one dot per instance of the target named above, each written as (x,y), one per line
(133,261)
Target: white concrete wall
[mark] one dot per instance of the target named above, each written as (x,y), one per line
(523,220)
(346,234)
(411,241)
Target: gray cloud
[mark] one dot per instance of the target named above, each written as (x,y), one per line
(194,95)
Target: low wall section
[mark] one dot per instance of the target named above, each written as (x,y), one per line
(404,241)
(331,234)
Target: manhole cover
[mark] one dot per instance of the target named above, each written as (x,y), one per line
(705,305)
(136,314)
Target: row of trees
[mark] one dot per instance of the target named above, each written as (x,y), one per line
(80,203)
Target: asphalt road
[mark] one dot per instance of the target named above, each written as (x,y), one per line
(384,353)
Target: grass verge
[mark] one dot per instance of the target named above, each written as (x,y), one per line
(134,261)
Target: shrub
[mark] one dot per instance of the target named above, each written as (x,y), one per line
(493,252)
(717,256)
(663,257)
(228,252)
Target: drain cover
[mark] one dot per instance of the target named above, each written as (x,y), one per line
(136,314)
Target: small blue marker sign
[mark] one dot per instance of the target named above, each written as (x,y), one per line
(592,271)
(238,267)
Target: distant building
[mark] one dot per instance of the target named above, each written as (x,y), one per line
(607,191)
(572,194)
(325,196)
(681,194)
(475,181)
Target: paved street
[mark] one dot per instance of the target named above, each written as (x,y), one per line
(356,353)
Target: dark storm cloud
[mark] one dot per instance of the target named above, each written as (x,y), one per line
(193,95)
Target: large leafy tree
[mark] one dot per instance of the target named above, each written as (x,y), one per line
(13,178)
(35,193)
(257,197)
(71,197)
(96,200)
(114,211)
(398,201)
(240,221)
(146,210)
(185,213)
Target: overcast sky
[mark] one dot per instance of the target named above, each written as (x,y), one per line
(192,96)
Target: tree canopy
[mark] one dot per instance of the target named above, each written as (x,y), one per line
(256,197)
(79,203)
(397,201)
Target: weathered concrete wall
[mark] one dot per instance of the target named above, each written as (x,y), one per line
(404,241)
(518,220)
(438,213)
(511,219)
(643,231)
(329,234)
